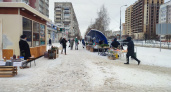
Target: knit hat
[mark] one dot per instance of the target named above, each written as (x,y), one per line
(23,36)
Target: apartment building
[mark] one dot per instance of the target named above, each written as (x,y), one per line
(128,12)
(40,5)
(165,20)
(165,13)
(65,17)
(144,17)
(123,29)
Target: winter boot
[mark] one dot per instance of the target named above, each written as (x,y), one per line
(127,61)
(139,62)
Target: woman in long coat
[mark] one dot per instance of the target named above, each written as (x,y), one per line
(24,47)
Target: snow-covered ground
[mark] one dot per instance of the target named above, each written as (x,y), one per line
(153,56)
(84,71)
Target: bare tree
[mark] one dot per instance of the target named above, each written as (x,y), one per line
(102,22)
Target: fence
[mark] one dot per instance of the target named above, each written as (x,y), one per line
(153,44)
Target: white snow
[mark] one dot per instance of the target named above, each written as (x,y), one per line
(84,71)
(153,56)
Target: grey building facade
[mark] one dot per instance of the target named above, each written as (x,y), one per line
(65,17)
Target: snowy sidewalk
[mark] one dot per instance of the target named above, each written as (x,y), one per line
(84,71)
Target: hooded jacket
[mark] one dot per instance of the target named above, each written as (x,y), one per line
(115,43)
(130,46)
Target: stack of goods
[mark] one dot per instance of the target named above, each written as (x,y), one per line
(52,53)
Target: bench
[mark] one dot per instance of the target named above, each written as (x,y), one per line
(30,60)
(8,71)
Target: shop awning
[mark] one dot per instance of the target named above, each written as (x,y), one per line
(97,35)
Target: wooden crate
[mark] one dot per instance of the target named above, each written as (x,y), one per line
(91,49)
(8,71)
(88,47)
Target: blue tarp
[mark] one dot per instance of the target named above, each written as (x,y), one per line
(97,35)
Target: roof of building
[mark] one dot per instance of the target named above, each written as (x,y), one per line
(25,6)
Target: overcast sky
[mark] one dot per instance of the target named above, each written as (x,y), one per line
(86,11)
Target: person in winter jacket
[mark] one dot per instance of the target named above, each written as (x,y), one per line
(115,43)
(63,42)
(131,51)
(83,43)
(50,42)
(76,43)
(24,47)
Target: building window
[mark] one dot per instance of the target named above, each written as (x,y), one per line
(27,30)
(36,33)
(42,34)
(66,14)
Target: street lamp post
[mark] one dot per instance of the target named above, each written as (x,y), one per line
(120,22)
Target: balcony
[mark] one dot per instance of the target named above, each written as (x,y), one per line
(59,9)
(58,12)
(58,17)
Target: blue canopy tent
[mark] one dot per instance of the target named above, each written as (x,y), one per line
(97,35)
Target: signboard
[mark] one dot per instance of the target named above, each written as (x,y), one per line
(17,63)
(163,29)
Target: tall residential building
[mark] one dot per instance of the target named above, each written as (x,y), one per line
(65,17)
(165,13)
(123,29)
(144,16)
(40,5)
(165,17)
(128,12)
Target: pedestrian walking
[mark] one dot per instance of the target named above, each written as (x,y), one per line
(63,42)
(131,51)
(83,43)
(71,43)
(76,43)
(60,41)
(50,42)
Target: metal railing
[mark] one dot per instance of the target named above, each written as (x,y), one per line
(153,44)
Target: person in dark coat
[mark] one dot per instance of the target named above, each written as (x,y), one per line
(24,47)
(115,43)
(63,42)
(83,43)
(50,42)
(101,42)
(131,51)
